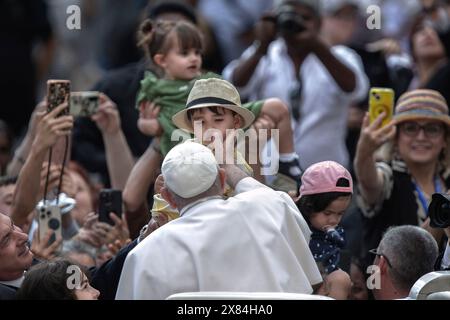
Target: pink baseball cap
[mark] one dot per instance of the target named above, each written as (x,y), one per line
(323,176)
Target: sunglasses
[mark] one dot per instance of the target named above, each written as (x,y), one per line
(431,130)
(379,254)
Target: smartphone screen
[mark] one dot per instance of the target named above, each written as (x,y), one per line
(381,100)
(110,201)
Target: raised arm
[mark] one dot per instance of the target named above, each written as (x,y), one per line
(141,178)
(24,148)
(118,155)
(234,174)
(343,75)
(309,41)
(265,33)
(369,177)
(49,129)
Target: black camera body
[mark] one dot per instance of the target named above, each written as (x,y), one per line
(439,210)
(288,21)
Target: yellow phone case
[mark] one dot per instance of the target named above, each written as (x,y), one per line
(381,100)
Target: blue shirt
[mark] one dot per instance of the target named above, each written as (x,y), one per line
(326,247)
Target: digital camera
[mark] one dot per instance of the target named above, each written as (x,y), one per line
(288,21)
(439,210)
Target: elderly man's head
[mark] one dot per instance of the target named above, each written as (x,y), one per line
(191,172)
(404,254)
(15,255)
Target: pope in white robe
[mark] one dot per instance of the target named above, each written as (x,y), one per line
(255,241)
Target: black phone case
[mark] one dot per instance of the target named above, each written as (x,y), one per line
(110,201)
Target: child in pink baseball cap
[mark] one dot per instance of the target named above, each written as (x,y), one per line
(325,194)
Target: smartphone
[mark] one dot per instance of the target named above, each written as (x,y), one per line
(49,218)
(110,201)
(381,100)
(58,92)
(84,103)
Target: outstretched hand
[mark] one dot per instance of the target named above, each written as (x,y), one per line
(148,122)
(41,248)
(107,116)
(92,231)
(374,136)
(119,231)
(265,32)
(50,127)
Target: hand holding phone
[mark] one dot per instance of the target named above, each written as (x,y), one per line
(110,201)
(43,249)
(381,100)
(49,219)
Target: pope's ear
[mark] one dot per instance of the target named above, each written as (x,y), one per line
(168,197)
(222,178)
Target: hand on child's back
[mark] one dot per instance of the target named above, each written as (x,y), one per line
(148,122)
(148,110)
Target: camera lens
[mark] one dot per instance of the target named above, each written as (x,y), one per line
(53,224)
(289,21)
(439,211)
(444,212)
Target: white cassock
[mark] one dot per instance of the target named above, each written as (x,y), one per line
(255,241)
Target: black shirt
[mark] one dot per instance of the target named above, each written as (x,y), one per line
(121,86)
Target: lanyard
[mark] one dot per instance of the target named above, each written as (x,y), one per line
(423,201)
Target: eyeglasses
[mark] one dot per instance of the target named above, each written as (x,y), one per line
(376,253)
(431,130)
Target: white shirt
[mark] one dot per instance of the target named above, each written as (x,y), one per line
(445,263)
(256,241)
(320,133)
(14,283)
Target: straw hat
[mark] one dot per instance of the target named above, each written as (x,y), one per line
(212,92)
